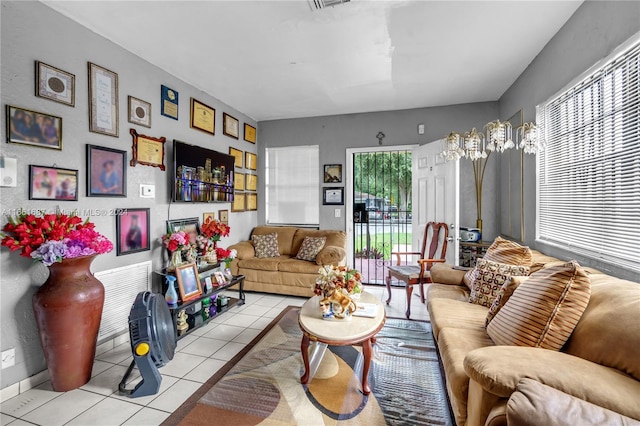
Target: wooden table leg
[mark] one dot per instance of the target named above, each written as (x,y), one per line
(304,347)
(409,291)
(366,351)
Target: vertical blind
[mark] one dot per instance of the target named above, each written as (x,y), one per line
(589,173)
(292,185)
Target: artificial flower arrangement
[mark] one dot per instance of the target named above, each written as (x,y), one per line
(176,241)
(50,238)
(343,278)
(225,255)
(214,230)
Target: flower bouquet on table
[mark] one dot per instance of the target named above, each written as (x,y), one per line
(339,287)
(210,233)
(176,242)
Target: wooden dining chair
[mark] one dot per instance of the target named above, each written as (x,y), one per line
(434,250)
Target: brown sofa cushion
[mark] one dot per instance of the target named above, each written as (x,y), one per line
(447,291)
(244,249)
(265,245)
(489,279)
(504,294)
(443,273)
(334,238)
(310,248)
(285,237)
(543,310)
(446,313)
(262,264)
(300,266)
(503,251)
(331,255)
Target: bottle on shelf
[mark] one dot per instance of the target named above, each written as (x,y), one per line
(171,296)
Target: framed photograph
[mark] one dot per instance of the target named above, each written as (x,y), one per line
(54,84)
(133,231)
(333,196)
(203,117)
(238,182)
(139,112)
(220,279)
(168,102)
(53,183)
(238,204)
(106,172)
(252,201)
(251,183)
(249,133)
(33,128)
(103,101)
(188,281)
(250,161)
(333,173)
(224,216)
(147,150)
(230,126)
(238,156)
(207,216)
(189,225)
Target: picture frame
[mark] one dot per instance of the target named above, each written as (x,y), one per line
(55,84)
(249,133)
(133,231)
(208,215)
(333,196)
(23,128)
(53,183)
(230,126)
(223,216)
(333,173)
(203,117)
(250,161)
(238,204)
(238,182)
(106,172)
(168,102)
(238,156)
(147,150)
(220,278)
(252,201)
(190,225)
(139,111)
(251,182)
(188,280)
(103,100)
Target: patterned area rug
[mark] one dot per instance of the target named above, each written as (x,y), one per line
(264,385)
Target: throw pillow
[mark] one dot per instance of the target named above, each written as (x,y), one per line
(310,248)
(543,310)
(266,245)
(504,294)
(489,279)
(502,251)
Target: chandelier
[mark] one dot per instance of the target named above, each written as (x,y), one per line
(498,134)
(529,141)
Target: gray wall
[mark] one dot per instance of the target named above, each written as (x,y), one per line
(591,34)
(32,31)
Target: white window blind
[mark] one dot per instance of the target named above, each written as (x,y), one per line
(589,173)
(293,185)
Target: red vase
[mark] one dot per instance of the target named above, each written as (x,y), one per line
(68,309)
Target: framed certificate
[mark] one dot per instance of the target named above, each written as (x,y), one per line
(103,101)
(203,117)
(169,102)
(333,196)
(252,201)
(238,155)
(230,126)
(238,204)
(249,133)
(238,182)
(250,161)
(251,182)
(147,150)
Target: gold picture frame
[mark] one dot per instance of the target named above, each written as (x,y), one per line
(208,215)
(224,216)
(230,126)
(249,133)
(251,182)
(238,204)
(147,150)
(238,182)
(238,155)
(252,201)
(203,117)
(250,161)
(103,100)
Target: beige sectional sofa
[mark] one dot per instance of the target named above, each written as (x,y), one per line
(600,362)
(285,274)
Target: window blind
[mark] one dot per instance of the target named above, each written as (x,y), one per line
(293,185)
(589,173)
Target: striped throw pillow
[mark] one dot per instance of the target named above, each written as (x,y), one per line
(502,251)
(504,294)
(489,280)
(543,310)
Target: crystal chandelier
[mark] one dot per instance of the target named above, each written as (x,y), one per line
(474,145)
(452,150)
(498,134)
(529,141)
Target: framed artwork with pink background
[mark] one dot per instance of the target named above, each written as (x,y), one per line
(132,229)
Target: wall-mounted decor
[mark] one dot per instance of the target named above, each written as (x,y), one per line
(250,161)
(133,227)
(53,183)
(252,201)
(230,126)
(333,196)
(251,182)
(103,100)
(238,182)
(33,128)
(238,156)
(54,84)
(168,102)
(203,117)
(224,216)
(147,150)
(189,225)
(208,216)
(249,133)
(188,281)
(106,172)
(139,112)
(332,173)
(238,204)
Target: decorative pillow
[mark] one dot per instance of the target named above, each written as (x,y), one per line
(502,251)
(543,310)
(504,294)
(310,248)
(489,279)
(266,245)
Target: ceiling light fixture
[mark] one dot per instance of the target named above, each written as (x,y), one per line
(321,4)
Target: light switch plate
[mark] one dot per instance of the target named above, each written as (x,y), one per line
(147,191)
(338,212)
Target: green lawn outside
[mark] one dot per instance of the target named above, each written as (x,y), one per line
(382,243)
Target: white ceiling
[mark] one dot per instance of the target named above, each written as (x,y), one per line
(280,59)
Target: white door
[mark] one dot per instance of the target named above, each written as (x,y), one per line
(435,195)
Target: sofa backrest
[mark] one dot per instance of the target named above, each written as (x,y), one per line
(334,238)
(285,236)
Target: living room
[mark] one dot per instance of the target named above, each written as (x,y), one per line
(41,31)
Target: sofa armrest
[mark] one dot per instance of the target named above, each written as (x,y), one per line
(443,273)
(499,369)
(244,248)
(331,255)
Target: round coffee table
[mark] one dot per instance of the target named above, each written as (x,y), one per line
(357,330)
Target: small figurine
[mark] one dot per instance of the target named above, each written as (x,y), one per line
(181,323)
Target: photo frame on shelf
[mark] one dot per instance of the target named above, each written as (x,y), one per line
(103,100)
(252,201)
(203,117)
(147,150)
(250,161)
(238,204)
(133,230)
(168,102)
(55,84)
(230,126)
(238,156)
(188,281)
(333,173)
(139,112)
(52,183)
(238,182)
(208,216)
(106,172)
(333,196)
(220,278)
(190,225)
(249,133)
(223,216)
(251,182)
(22,128)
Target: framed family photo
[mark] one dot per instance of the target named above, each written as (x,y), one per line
(189,225)
(106,172)
(133,231)
(103,101)
(230,126)
(33,128)
(53,183)
(139,112)
(54,84)
(188,281)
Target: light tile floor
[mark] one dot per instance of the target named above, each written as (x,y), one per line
(198,357)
